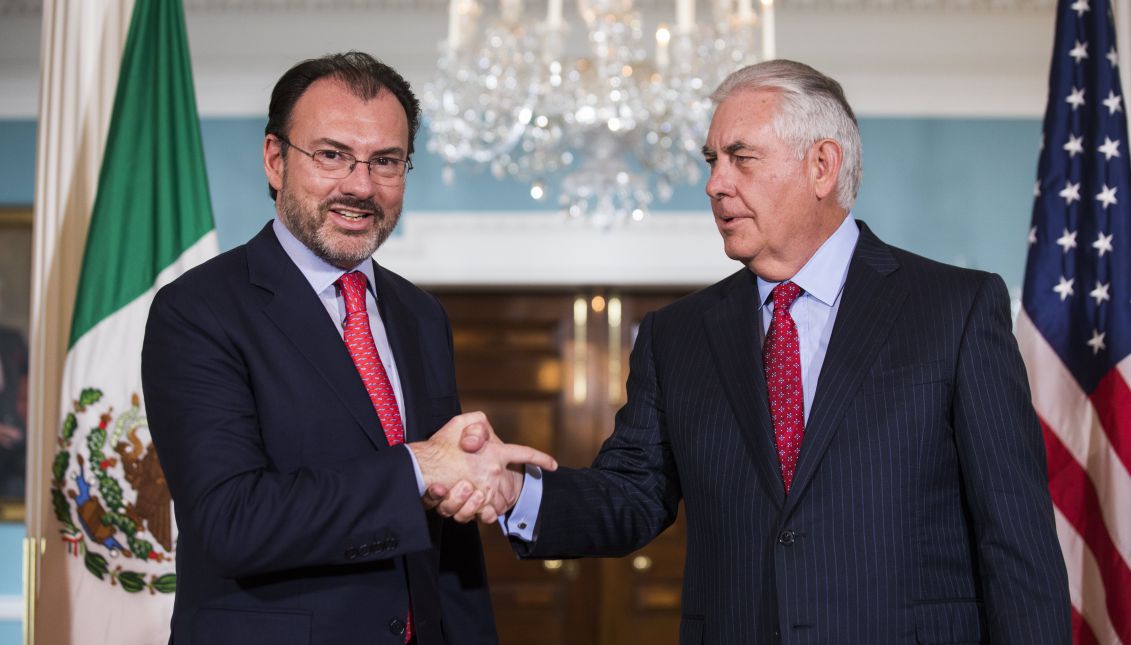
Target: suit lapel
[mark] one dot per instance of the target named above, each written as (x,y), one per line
(403,330)
(298,313)
(873,293)
(731,327)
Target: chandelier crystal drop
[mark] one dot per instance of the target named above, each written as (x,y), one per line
(624,120)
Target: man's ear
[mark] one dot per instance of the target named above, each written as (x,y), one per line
(273,161)
(825,159)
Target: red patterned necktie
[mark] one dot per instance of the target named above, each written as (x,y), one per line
(781,359)
(363,351)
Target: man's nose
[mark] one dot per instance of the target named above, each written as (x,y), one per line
(719,183)
(359,183)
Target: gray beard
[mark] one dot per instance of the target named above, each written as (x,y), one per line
(308,230)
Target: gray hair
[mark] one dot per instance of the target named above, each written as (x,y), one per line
(812,108)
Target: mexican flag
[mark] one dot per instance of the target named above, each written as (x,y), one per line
(151,221)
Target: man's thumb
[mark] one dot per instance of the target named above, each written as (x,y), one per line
(474,437)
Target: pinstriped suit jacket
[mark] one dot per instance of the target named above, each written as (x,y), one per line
(919,511)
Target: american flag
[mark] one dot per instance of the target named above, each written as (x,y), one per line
(1075,324)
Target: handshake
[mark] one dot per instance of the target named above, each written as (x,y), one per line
(470,473)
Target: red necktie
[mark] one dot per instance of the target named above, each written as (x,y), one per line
(363,351)
(781,359)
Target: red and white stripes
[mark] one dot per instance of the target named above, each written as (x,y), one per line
(1088,445)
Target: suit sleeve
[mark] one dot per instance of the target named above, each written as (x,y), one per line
(246,516)
(631,492)
(1004,471)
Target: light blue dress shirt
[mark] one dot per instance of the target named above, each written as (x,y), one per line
(822,280)
(322,275)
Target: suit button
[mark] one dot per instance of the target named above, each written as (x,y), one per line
(396,626)
(363,550)
(787,537)
(351,553)
(392,543)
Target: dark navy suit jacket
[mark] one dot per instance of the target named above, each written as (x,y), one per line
(298,523)
(919,511)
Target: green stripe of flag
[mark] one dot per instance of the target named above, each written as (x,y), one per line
(152,201)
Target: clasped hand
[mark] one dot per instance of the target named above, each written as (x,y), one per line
(470,473)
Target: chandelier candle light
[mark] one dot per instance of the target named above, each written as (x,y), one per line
(618,126)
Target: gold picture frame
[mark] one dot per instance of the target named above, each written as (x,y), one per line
(15,307)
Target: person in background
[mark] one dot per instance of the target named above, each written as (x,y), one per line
(13,413)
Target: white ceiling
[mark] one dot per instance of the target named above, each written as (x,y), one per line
(194,6)
(894,57)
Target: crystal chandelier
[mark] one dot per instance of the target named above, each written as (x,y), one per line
(623,123)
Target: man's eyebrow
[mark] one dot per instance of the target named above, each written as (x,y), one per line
(383,152)
(729,149)
(395,151)
(334,143)
(737,146)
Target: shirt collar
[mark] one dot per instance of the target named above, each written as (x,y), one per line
(824,274)
(319,273)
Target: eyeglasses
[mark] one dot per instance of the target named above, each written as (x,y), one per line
(335,164)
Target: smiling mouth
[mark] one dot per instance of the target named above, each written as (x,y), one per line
(351,215)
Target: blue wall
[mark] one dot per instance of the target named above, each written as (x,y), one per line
(957,190)
(17,162)
(11,578)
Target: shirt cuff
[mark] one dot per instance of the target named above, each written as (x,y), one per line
(520,521)
(416,469)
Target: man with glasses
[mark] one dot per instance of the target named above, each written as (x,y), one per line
(299,396)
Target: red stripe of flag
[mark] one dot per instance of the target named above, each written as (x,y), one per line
(1075,496)
(1112,401)
(1082,634)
